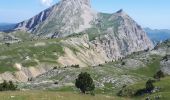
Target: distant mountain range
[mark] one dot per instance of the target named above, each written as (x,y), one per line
(6,26)
(158,35)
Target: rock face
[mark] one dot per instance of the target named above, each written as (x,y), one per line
(24,74)
(8,38)
(91,53)
(116,36)
(62,19)
(165,67)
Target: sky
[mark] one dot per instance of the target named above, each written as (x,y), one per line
(154,14)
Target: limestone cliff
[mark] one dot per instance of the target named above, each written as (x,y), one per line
(62,19)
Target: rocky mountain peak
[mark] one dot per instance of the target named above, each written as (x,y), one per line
(121,12)
(67,16)
(77,2)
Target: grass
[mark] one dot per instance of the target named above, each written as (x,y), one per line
(152,67)
(9,68)
(22,35)
(93,33)
(29,63)
(63,89)
(47,95)
(19,52)
(69,93)
(98,73)
(164,84)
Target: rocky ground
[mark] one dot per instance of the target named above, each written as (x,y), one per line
(134,68)
(111,75)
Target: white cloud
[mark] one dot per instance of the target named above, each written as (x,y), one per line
(47,2)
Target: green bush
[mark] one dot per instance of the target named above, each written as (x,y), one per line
(75,66)
(7,86)
(85,83)
(159,75)
(125,91)
(149,85)
(123,63)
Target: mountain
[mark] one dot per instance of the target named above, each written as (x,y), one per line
(62,19)
(158,35)
(107,36)
(6,26)
(80,36)
(76,16)
(112,36)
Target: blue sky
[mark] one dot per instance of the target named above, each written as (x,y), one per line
(148,13)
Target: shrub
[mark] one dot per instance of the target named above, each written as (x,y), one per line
(54,67)
(148,88)
(100,65)
(85,83)
(12,86)
(149,85)
(159,75)
(75,66)
(123,63)
(165,58)
(125,91)
(6,86)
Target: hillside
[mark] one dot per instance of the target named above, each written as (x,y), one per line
(163,84)
(109,78)
(134,70)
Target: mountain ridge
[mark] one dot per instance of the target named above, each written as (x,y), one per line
(158,35)
(57,19)
(84,37)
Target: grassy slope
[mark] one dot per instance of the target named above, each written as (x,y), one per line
(98,73)
(143,73)
(64,95)
(164,84)
(17,53)
(44,95)
(152,67)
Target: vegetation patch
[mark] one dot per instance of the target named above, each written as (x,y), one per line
(25,52)
(7,86)
(29,63)
(151,68)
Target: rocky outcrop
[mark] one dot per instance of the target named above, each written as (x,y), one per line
(24,74)
(31,24)
(8,38)
(165,66)
(62,19)
(103,49)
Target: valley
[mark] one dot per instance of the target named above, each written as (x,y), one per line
(133,70)
(70,51)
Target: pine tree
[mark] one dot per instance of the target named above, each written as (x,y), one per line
(84,82)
